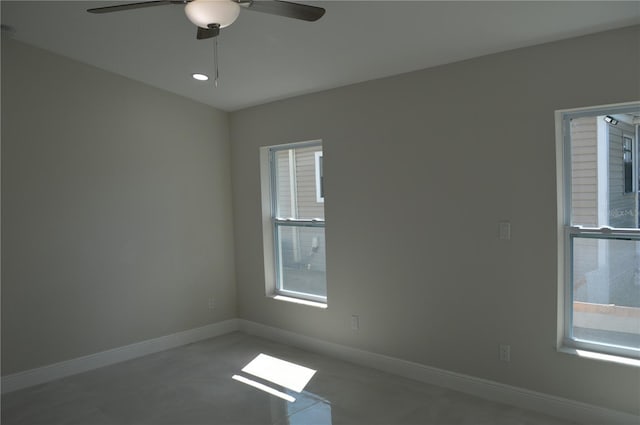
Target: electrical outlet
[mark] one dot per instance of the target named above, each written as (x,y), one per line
(211,303)
(505,353)
(355,323)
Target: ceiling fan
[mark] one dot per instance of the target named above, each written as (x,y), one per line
(212,15)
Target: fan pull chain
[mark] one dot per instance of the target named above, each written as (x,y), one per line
(215,61)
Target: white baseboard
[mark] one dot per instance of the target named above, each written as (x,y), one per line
(495,391)
(59,370)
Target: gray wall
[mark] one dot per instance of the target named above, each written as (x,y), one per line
(419,170)
(117,221)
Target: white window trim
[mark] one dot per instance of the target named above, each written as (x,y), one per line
(564,343)
(269,244)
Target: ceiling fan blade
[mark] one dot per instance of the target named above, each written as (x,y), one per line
(287,9)
(204,33)
(129,6)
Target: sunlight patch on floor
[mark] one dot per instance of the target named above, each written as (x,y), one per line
(280,372)
(276,371)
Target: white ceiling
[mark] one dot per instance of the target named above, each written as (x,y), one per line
(265,57)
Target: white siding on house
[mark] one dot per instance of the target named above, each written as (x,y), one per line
(283,187)
(584,171)
(300,167)
(308,205)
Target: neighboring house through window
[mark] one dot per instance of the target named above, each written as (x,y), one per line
(319,177)
(293,221)
(599,235)
(628,157)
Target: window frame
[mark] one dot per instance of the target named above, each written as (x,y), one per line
(567,232)
(271,222)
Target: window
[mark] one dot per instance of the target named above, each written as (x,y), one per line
(627,158)
(599,235)
(319,178)
(293,221)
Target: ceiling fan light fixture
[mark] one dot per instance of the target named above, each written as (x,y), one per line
(209,12)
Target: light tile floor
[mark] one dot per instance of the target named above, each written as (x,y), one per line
(193,385)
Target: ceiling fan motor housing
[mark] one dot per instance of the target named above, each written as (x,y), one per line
(205,13)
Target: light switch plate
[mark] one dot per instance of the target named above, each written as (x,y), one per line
(505,230)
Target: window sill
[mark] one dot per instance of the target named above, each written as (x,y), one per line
(299,301)
(610,358)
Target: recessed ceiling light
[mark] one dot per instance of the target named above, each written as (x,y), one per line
(200,77)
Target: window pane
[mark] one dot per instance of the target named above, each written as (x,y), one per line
(296,191)
(627,156)
(301,259)
(602,171)
(606,291)
(319,177)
